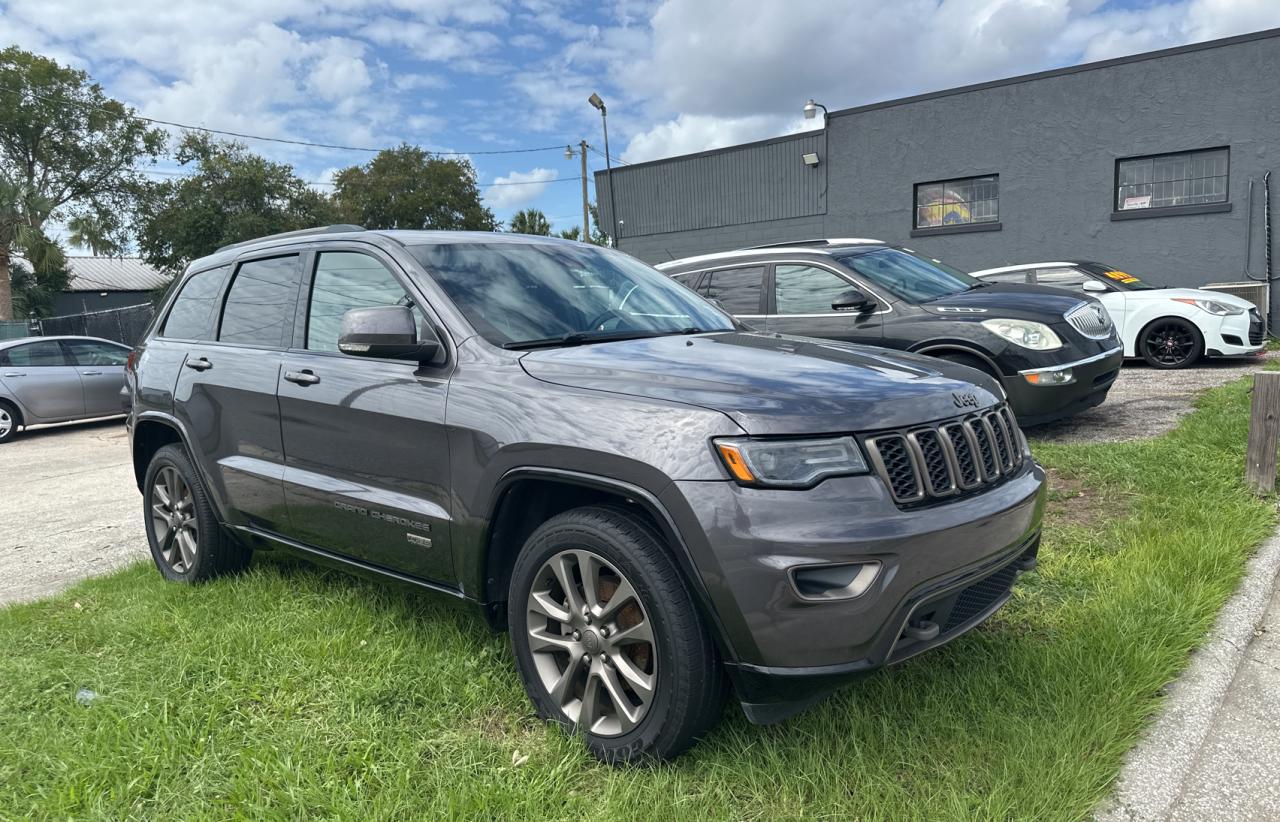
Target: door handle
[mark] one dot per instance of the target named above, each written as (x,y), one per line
(15,374)
(301,377)
(201,364)
(92,373)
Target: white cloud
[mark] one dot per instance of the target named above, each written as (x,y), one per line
(529,185)
(689,133)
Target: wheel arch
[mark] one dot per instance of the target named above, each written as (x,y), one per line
(1146,326)
(527,497)
(19,413)
(150,434)
(934,349)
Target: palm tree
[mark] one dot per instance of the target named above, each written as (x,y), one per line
(530,221)
(20,213)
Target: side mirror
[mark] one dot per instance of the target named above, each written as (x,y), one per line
(852,300)
(1094,286)
(387,332)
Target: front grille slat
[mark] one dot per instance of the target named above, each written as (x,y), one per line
(953,457)
(1091,320)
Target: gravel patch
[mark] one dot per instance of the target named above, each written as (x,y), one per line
(71,508)
(1146,402)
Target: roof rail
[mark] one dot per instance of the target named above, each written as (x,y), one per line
(793,243)
(327,229)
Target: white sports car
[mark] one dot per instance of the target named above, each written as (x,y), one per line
(1167,327)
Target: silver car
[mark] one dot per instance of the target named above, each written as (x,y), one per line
(56,379)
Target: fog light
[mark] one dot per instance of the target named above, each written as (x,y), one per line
(1062,376)
(827,582)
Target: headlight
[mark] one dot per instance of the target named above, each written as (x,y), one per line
(790,463)
(1062,376)
(1036,336)
(1212,306)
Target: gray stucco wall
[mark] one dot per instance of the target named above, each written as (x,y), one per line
(1054,142)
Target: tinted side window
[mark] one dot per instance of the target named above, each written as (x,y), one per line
(1062,278)
(803,289)
(345,280)
(688,280)
(737,289)
(96,353)
(260,303)
(191,317)
(1009,277)
(34,355)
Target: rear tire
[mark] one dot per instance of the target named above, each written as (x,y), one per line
(626,661)
(10,419)
(187,541)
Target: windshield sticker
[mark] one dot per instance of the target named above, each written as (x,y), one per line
(1121,276)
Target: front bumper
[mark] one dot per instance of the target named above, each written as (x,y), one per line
(1038,404)
(783,650)
(1236,335)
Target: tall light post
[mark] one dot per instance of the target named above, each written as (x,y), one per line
(586,203)
(595,100)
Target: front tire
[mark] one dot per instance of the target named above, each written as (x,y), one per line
(607,638)
(187,541)
(1171,342)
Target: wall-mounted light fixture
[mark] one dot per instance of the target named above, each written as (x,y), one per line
(810,159)
(811,111)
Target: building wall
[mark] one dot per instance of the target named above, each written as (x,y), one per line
(1054,141)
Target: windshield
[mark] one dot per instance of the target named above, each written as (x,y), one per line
(911,276)
(519,293)
(1120,279)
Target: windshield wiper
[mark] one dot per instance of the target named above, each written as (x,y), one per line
(583,337)
(981,284)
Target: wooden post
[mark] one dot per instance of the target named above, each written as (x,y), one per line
(1264,429)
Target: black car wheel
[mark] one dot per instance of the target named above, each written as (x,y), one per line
(187,542)
(607,638)
(9,421)
(1170,342)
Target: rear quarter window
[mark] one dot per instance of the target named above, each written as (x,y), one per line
(191,317)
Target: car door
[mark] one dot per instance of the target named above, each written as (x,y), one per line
(226,390)
(801,305)
(44,380)
(101,367)
(366,451)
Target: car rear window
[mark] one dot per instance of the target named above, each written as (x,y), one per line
(191,317)
(261,301)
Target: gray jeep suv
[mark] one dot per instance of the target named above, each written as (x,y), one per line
(648,497)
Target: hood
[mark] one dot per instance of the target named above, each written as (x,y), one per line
(1189,294)
(771,384)
(1011,301)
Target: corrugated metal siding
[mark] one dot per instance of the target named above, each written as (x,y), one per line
(754,183)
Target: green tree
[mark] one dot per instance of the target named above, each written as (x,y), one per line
(407,187)
(530,221)
(574,233)
(67,151)
(598,237)
(232,195)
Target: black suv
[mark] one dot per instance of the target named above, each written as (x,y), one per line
(648,498)
(1055,354)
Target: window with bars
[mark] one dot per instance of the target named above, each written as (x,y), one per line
(963,201)
(1171,180)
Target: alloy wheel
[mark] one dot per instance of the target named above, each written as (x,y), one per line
(1170,343)
(6,422)
(592,643)
(173,516)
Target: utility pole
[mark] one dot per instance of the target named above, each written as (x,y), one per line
(586,206)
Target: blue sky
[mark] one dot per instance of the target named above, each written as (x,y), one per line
(494,75)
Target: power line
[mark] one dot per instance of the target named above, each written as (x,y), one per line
(245,136)
(608,157)
(328,183)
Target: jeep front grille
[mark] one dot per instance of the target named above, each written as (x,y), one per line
(953,457)
(1091,320)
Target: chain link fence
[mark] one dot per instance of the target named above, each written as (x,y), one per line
(15,329)
(124,325)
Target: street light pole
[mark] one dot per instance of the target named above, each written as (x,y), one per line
(595,100)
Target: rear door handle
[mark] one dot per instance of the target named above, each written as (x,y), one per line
(15,374)
(301,377)
(201,364)
(92,373)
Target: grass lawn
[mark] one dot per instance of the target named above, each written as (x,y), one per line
(293,692)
